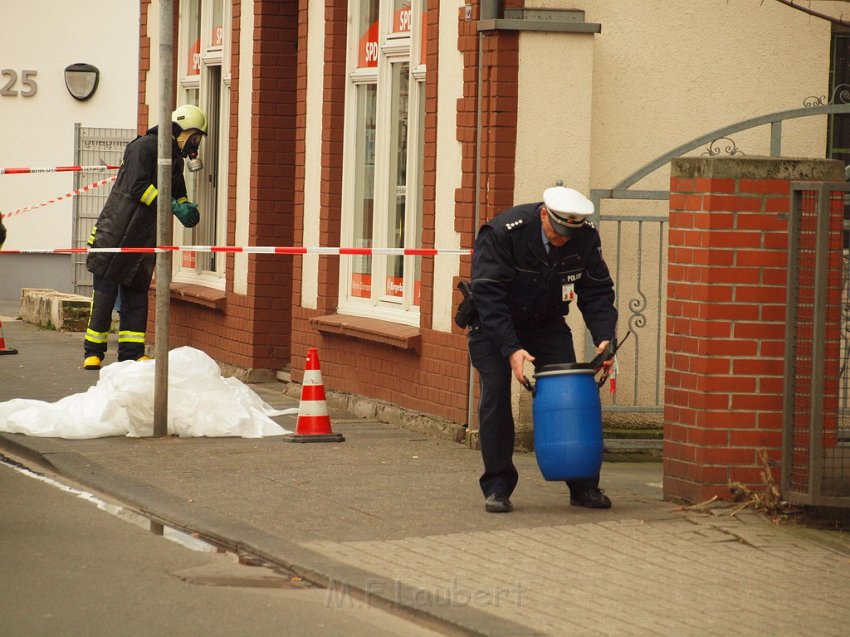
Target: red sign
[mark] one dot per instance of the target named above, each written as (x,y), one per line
(402,20)
(367,50)
(395,286)
(361,285)
(194,58)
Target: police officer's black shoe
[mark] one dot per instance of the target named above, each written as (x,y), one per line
(498,504)
(592,498)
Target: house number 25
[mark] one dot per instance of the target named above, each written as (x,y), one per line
(9,80)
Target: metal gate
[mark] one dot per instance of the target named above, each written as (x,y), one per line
(640,274)
(93,147)
(816,423)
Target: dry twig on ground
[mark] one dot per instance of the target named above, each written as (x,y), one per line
(769,501)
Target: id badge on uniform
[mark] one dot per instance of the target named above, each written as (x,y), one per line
(568,292)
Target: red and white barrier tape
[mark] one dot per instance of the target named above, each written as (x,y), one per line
(55,169)
(407,252)
(97,184)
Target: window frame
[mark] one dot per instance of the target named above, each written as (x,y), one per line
(197,89)
(394,48)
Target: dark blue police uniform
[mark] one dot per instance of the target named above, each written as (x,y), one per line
(522,293)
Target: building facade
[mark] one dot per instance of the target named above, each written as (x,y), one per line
(371,124)
(38,116)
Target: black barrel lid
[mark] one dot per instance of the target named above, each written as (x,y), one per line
(551,370)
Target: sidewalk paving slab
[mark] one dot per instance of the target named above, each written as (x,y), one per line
(396,518)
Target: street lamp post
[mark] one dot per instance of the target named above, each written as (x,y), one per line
(163,215)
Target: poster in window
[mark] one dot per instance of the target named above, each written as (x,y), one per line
(367,50)
(194,67)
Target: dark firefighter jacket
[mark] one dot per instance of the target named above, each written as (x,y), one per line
(516,284)
(128,218)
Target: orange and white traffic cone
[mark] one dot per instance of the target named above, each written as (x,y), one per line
(3,348)
(314,424)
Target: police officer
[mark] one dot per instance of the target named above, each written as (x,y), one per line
(529,263)
(128,219)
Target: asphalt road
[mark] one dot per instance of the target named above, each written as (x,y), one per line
(72,566)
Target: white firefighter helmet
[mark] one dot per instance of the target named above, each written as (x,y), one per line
(190,116)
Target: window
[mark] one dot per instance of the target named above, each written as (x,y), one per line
(382,198)
(204,80)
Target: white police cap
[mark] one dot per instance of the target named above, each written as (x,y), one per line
(568,209)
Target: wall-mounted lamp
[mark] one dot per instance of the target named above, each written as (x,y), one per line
(81,80)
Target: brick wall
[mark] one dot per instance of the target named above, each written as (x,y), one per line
(144,65)
(432,378)
(726,319)
(499,99)
(333,112)
(300,154)
(252,331)
(272,212)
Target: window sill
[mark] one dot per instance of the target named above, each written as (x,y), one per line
(199,295)
(368,329)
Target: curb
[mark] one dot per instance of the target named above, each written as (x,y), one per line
(189,517)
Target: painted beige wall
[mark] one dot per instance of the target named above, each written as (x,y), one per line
(244,165)
(313,152)
(38,131)
(555,104)
(449,172)
(662,72)
(670,71)
(665,73)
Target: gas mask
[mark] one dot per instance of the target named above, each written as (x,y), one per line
(189,141)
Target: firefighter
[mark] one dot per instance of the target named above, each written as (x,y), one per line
(529,264)
(128,219)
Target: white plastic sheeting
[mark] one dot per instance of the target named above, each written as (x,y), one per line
(200,403)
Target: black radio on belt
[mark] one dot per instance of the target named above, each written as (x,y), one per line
(466,309)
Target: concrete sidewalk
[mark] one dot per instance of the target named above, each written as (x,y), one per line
(397,518)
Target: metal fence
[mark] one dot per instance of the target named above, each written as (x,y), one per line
(638,229)
(636,249)
(93,147)
(816,434)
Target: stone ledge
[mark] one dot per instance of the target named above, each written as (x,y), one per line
(212,298)
(55,310)
(368,329)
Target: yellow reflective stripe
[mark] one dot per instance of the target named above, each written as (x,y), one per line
(91,237)
(149,195)
(183,200)
(96,337)
(131,337)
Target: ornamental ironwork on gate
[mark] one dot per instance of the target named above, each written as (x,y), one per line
(639,270)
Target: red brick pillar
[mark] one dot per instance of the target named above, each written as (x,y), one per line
(726,318)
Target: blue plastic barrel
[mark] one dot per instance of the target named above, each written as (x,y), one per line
(567,422)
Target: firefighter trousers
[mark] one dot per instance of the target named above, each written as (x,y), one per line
(132,306)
